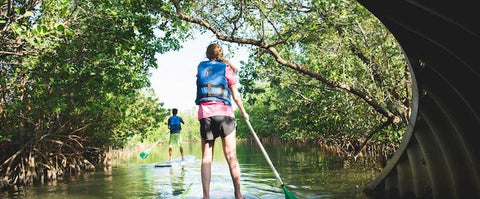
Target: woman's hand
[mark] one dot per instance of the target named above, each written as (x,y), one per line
(225,61)
(245,116)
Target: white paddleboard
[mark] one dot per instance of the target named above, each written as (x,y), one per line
(176,161)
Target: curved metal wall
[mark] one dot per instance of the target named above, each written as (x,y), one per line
(440,154)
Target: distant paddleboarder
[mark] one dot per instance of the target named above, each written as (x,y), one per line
(174,124)
(216,84)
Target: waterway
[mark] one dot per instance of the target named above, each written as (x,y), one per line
(306,169)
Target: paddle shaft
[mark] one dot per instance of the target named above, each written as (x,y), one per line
(156,143)
(264,153)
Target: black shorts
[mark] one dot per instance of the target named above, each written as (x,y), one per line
(212,127)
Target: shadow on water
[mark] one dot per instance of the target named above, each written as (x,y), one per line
(307,170)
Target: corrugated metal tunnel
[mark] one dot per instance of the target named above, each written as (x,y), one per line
(440,154)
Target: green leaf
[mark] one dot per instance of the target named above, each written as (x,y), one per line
(60,28)
(58,109)
(69,32)
(27,14)
(44,29)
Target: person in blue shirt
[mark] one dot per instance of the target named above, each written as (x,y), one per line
(174,124)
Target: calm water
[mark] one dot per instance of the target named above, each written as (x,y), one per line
(308,172)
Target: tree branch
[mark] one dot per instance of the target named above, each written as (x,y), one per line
(10,63)
(216,32)
(10,53)
(369,137)
(300,94)
(299,68)
(282,40)
(236,19)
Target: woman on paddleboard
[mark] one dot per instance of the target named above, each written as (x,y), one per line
(216,85)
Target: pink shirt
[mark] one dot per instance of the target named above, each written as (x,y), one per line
(218,108)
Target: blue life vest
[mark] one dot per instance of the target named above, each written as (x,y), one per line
(174,123)
(211,83)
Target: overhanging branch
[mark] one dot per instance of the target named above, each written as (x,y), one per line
(299,68)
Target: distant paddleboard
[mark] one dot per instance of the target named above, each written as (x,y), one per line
(163,164)
(176,161)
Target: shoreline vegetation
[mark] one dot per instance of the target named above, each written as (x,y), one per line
(344,147)
(376,154)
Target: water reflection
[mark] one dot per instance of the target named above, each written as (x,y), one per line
(308,172)
(177,181)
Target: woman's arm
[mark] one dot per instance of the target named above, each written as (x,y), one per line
(238,100)
(235,94)
(228,63)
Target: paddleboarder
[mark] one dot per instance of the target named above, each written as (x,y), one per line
(216,84)
(175,125)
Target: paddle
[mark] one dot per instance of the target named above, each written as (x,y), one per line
(288,195)
(144,154)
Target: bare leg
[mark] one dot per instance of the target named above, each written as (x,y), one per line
(207,156)
(169,153)
(230,152)
(181,152)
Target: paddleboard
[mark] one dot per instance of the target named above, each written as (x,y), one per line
(176,161)
(163,164)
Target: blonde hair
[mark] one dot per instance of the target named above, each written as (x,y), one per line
(214,52)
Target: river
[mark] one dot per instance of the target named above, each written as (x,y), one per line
(306,169)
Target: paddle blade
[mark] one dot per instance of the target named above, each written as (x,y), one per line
(144,154)
(288,195)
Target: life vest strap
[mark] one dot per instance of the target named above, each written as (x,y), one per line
(211,95)
(213,86)
(209,90)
